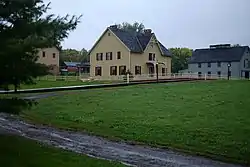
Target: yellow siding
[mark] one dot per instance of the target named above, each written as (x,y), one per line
(49,59)
(141,59)
(108,43)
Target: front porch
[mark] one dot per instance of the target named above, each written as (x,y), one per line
(152,69)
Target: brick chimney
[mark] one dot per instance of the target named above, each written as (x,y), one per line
(114,27)
(147,31)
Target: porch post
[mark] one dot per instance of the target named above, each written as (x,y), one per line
(157,73)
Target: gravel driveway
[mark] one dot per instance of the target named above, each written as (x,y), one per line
(132,155)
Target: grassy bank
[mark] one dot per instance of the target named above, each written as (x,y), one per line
(209,118)
(17,151)
(48,84)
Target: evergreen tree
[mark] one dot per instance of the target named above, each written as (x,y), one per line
(23,30)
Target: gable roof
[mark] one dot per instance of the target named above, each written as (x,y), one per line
(230,54)
(135,42)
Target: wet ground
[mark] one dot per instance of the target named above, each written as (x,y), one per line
(133,155)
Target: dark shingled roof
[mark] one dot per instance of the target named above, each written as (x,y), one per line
(231,54)
(137,42)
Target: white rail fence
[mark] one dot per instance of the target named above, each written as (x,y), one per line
(127,78)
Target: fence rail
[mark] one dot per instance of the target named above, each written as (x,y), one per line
(127,78)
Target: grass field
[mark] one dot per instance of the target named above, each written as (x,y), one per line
(17,151)
(48,84)
(209,118)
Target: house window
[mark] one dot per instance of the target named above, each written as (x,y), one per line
(209,65)
(99,56)
(122,70)
(109,56)
(109,34)
(163,71)
(219,74)
(209,73)
(199,65)
(98,71)
(218,64)
(199,74)
(54,55)
(151,56)
(113,70)
(43,54)
(246,63)
(137,70)
(119,55)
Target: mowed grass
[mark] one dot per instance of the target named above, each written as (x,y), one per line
(49,84)
(20,152)
(209,118)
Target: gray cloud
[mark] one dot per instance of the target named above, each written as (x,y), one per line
(177,23)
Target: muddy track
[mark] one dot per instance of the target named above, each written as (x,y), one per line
(102,148)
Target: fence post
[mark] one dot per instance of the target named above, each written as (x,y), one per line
(205,76)
(127,77)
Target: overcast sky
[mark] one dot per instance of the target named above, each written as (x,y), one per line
(177,23)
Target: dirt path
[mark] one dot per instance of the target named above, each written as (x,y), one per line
(101,148)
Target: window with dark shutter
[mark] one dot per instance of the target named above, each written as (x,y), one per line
(219,73)
(109,56)
(113,70)
(98,71)
(208,65)
(137,70)
(119,55)
(99,56)
(151,56)
(209,73)
(122,70)
(199,74)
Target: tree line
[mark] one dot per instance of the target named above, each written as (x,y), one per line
(73,55)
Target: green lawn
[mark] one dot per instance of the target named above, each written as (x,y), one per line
(20,152)
(48,84)
(210,118)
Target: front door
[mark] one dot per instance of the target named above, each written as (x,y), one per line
(151,71)
(247,74)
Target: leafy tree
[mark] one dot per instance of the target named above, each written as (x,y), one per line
(74,55)
(23,30)
(180,58)
(84,55)
(135,27)
(69,55)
